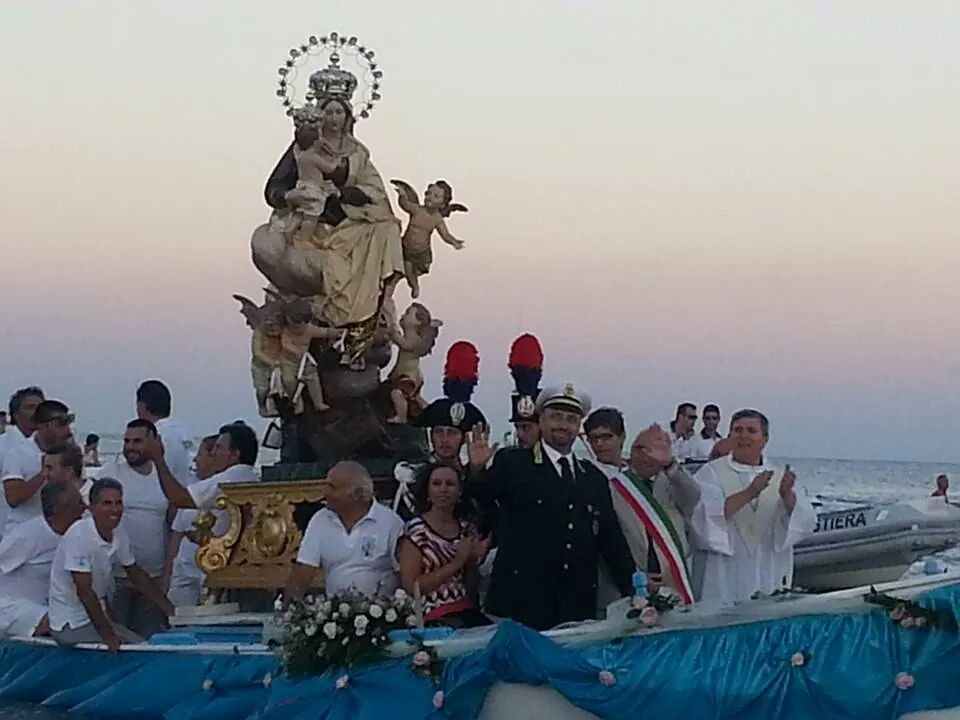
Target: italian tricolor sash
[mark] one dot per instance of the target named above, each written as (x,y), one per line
(638,495)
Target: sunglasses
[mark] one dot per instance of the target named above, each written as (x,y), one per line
(62,420)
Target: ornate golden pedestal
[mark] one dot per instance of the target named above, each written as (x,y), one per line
(264,534)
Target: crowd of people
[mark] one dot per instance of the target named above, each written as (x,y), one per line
(533,532)
(106,558)
(541,535)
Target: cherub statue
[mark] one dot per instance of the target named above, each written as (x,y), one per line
(415,339)
(298,368)
(266,353)
(315,160)
(282,364)
(424,219)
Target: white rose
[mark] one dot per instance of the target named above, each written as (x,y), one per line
(310,630)
(360,622)
(330,630)
(411,621)
(344,609)
(376,611)
(326,606)
(361,631)
(400,595)
(391,615)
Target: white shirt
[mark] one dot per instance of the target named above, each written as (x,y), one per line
(176,449)
(729,565)
(84,550)
(554,455)
(683,448)
(11,437)
(363,559)
(701,447)
(144,515)
(185,562)
(23,461)
(26,555)
(206,492)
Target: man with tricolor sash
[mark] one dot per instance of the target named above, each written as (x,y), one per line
(653,497)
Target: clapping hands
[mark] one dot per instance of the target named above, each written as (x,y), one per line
(787,493)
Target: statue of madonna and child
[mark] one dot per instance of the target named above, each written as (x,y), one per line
(333,254)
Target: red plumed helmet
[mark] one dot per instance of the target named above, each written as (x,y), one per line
(461,371)
(526,364)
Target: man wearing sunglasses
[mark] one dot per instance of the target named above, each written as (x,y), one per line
(23,473)
(681,432)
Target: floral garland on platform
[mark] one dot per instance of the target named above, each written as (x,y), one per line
(908,614)
(345,630)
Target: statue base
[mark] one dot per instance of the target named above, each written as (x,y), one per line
(352,430)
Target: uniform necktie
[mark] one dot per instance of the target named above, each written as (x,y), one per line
(565,471)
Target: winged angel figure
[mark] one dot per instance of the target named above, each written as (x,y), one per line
(424,219)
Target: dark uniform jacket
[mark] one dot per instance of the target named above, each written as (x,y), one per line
(551,535)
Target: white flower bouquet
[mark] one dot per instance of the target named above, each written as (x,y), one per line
(343,631)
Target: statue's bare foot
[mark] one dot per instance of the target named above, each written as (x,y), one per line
(322,407)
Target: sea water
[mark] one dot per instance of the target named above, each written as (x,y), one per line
(834,483)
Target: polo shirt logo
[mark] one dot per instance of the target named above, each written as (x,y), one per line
(368,545)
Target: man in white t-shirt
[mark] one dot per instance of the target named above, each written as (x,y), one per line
(354,539)
(23,404)
(153,404)
(681,432)
(26,555)
(184,579)
(234,456)
(23,475)
(146,515)
(705,440)
(81,579)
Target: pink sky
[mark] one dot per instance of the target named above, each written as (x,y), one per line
(748,204)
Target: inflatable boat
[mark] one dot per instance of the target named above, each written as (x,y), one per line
(873,544)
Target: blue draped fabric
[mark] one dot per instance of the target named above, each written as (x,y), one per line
(744,672)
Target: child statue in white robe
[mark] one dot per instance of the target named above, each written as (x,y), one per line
(749,519)
(315,160)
